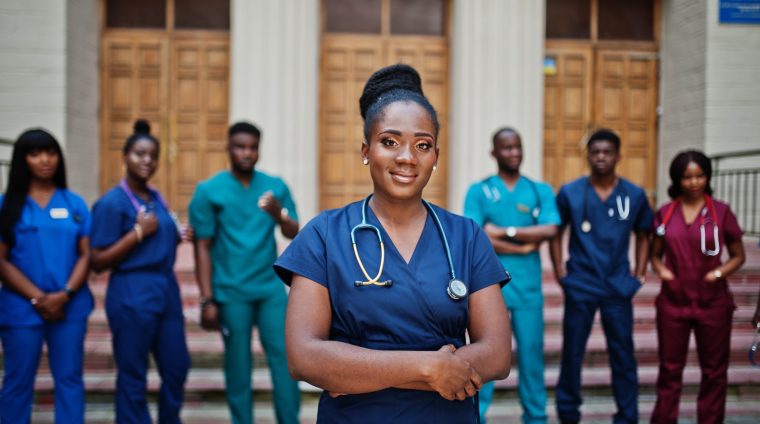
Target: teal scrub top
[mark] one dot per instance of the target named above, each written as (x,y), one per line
(491,201)
(244,246)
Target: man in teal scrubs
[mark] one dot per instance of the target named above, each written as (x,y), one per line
(518,214)
(234,215)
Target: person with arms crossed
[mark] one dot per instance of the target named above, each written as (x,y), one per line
(518,214)
(234,215)
(383,289)
(601,210)
(44,264)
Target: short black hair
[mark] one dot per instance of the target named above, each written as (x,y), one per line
(678,168)
(508,130)
(604,134)
(395,83)
(141,131)
(244,127)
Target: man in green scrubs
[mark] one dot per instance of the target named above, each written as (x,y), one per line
(234,215)
(518,214)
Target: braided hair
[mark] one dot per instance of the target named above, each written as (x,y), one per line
(395,83)
(141,132)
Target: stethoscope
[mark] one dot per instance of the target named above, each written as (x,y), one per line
(623,204)
(157,196)
(660,231)
(492,194)
(456,288)
(754,348)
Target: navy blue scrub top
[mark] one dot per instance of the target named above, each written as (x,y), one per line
(415,313)
(145,278)
(598,264)
(46,251)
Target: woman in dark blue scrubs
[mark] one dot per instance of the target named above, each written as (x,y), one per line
(135,235)
(44,259)
(392,348)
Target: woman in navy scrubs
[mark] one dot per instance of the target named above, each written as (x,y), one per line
(135,235)
(692,232)
(44,259)
(392,348)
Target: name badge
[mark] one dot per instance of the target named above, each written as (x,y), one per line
(523,208)
(59,213)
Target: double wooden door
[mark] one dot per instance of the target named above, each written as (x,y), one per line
(179,82)
(593,87)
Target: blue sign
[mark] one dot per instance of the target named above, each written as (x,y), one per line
(739,12)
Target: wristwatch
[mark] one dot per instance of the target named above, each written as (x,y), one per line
(68,291)
(205,301)
(718,274)
(511,231)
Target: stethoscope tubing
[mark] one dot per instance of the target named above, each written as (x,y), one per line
(709,205)
(623,205)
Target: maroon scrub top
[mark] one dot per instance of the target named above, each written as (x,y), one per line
(683,255)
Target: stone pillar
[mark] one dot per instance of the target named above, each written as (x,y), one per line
(496,73)
(275,84)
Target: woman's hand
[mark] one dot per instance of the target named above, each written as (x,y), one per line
(50,306)
(711,277)
(453,377)
(148,222)
(666,274)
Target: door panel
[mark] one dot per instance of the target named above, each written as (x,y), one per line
(567,113)
(134,78)
(626,102)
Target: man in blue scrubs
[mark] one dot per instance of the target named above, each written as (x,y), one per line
(601,210)
(517,215)
(234,215)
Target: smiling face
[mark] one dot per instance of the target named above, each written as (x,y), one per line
(42,163)
(142,159)
(693,181)
(402,150)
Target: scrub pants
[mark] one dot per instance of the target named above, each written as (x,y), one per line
(137,334)
(237,320)
(617,323)
(22,348)
(528,329)
(712,332)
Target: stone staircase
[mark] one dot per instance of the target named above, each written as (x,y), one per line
(205,386)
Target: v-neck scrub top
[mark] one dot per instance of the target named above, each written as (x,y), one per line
(46,250)
(684,257)
(491,201)
(415,313)
(244,247)
(598,264)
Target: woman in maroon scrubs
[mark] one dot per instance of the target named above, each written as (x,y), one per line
(693,230)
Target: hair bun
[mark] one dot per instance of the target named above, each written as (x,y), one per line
(395,77)
(141,127)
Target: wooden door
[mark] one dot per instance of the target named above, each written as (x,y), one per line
(347,61)
(168,63)
(135,81)
(568,112)
(626,101)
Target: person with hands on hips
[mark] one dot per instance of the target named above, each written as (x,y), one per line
(384,289)
(602,211)
(234,215)
(692,231)
(135,236)
(44,263)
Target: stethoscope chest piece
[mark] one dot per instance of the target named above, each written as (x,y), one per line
(585,226)
(456,289)
(660,231)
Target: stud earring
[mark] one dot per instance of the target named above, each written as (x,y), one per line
(365,161)
(435,168)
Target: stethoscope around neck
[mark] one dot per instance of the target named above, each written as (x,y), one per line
(709,205)
(456,288)
(623,204)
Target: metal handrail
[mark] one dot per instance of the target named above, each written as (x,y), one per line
(739,187)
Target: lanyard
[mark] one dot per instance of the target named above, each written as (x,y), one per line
(133,199)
